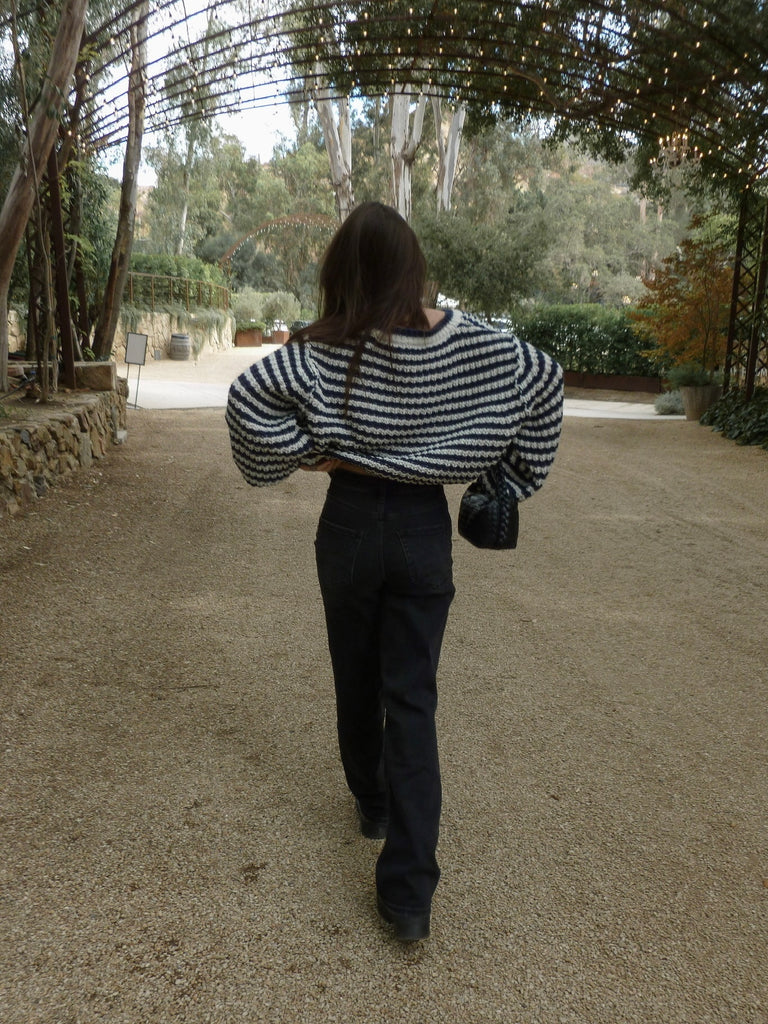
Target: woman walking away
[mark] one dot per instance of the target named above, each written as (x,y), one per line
(393,400)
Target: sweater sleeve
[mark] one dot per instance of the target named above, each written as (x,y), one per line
(530,454)
(264,416)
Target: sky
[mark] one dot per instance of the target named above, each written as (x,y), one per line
(259,131)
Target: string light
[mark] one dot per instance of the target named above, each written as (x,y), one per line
(600,71)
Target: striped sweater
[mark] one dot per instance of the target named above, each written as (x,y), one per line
(433,407)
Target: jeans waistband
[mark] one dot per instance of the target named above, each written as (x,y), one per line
(344,479)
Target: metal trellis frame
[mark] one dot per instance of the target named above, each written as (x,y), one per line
(747,354)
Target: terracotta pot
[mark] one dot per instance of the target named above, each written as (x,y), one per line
(696,400)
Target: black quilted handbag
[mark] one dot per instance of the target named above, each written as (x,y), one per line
(488,515)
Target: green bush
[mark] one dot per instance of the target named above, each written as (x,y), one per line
(741,420)
(182,280)
(669,404)
(690,375)
(263,309)
(177,266)
(586,338)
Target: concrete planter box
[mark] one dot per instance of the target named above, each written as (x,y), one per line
(246,338)
(612,382)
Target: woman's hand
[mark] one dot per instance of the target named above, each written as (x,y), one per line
(326,466)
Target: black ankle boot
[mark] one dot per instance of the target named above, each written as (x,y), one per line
(408,927)
(370,828)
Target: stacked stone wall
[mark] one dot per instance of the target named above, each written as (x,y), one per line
(36,453)
(159,328)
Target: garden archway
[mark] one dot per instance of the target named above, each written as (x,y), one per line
(681,82)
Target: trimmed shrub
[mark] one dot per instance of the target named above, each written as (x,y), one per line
(586,338)
(669,404)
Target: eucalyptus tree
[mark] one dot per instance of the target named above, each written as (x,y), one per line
(448,143)
(303,28)
(196,199)
(688,80)
(69,224)
(40,126)
(327,31)
(199,81)
(109,312)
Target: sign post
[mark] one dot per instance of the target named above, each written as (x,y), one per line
(136,355)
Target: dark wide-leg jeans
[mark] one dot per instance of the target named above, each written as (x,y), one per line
(384,564)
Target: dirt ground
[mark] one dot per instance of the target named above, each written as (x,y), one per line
(178,845)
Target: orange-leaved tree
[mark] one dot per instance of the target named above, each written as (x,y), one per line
(684,312)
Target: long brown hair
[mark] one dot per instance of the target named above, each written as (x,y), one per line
(371,279)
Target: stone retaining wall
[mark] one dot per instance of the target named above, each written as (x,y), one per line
(53,443)
(159,328)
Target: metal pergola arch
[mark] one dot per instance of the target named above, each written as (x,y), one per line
(690,78)
(698,70)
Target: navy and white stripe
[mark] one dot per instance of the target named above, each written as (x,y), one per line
(435,407)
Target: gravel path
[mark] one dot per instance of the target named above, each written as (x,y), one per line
(178,845)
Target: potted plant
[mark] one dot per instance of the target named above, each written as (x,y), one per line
(279,309)
(248,332)
(247,307)
(684,312)
(280,334)
(698,386)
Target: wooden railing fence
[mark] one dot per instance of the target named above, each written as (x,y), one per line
(155,289)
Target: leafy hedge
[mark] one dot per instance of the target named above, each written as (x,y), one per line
(177,266)
(741,420)
(586,338)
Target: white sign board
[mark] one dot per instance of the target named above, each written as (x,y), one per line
(135,348)
(135,354)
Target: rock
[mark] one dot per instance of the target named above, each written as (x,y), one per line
(9,505)
(85,453)
(6,462)
(96,376)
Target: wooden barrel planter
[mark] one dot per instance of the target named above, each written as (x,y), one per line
(696,400)
(181,346)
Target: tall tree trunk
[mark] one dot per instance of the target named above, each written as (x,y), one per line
(338,146)
(35,291)
(62,279)
(447,151)
(41,136)
(193,130)
(109,313)
(404,143)
(185,184)
(75,270)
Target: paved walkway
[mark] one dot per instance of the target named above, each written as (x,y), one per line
(180,384)
(178,845)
